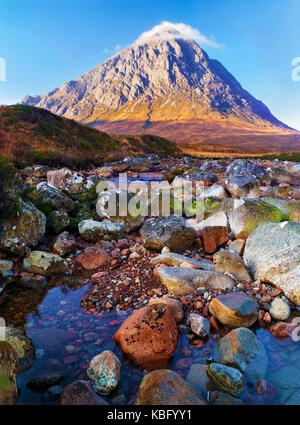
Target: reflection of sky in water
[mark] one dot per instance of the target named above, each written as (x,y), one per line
(76,336)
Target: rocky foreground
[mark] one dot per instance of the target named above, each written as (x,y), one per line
(226,275)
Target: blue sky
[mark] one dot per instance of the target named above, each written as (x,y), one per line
(45,43)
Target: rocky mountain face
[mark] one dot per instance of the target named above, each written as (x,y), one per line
(165,87)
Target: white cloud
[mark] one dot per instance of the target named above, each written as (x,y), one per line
(168,30)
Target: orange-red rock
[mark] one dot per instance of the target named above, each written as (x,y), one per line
(213,237)
(91,258)
(149,336)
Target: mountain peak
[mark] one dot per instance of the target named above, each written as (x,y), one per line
(165,83)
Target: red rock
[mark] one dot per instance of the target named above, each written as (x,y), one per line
(280,330)
(213,237)
(91,258)
(149,336)
(267,318)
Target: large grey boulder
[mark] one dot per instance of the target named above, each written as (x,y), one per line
(272,254)
(243,167)
(243,186)
(173,232)
(49,198)
(94,231)
(25,230)
(44,263)
(245,214)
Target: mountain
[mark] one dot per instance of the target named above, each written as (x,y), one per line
(34,135)
(169,87)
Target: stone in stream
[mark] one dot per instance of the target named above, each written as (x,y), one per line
(174,305)
(63,244)
(184,280)
(166,387)
(22,345)
(174,259)
(25,230)
(235,310)
(228,379)
(232,264)
(53,393)
(241,349)
(199,325)
(272,254)
(58,221)
(48,198)
(8,373)
(43,382)
(218,398)
(91,258)
(93,231)
(173,232)
(108,206)
(243,186)
(149,337)
(44,263)
(279,310)
(197,376)
(246,214)
(80,393)
(104,372)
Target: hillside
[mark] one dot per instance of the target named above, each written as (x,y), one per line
(29,134)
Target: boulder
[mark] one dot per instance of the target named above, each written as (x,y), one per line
(235,309)
(241,349)
(108,206)
(44,263)
(8,373)
(243,167)
(166,387)
(80,393)
(243,186)
(64,244)
(279,309)
(199,325)
(149,336)
(219,219)
(104,372)
(272,254)
(198,378)
(68,181)
(6,266)
(172,303)
(94,231)
(22,345)
(185,280)
(92,258)
(23,231)
(291,208)
(231,263)
(245,214)
(174,259)
(49,198)
(43,382)
(237,246)
(213,237)
(173,232)
(228,379)
(218,398)
(215,191)
(58,221)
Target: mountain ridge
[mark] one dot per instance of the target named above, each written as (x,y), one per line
(162,81)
